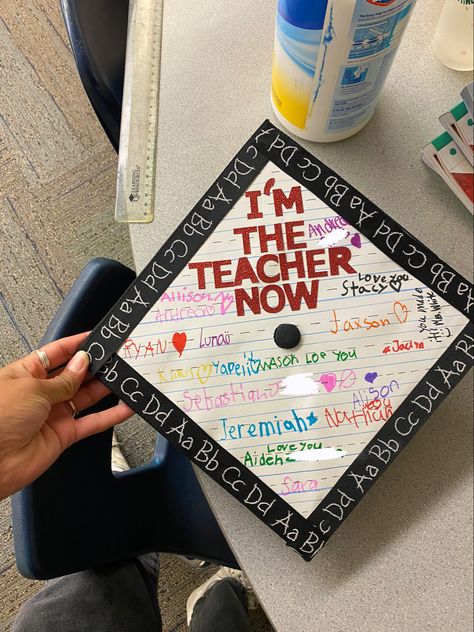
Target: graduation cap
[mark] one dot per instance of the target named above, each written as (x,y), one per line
(289,337)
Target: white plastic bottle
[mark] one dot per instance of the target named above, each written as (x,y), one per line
(330,62)
(453,40)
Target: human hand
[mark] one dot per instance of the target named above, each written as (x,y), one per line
(36,418)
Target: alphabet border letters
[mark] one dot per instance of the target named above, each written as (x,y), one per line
(305,536)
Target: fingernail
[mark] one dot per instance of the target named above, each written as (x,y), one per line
(78,362)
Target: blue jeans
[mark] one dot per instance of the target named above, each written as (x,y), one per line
(123,597)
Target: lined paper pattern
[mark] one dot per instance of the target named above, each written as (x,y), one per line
(299,417)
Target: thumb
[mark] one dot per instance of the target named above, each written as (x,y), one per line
(65,385)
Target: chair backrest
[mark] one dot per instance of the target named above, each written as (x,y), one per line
(97,32)
(80,515)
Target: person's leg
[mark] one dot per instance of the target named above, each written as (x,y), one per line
(221,603)
(120,597)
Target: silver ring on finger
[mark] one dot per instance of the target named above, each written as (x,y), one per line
(72,408)
(43,358)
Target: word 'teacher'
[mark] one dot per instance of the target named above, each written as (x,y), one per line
(273,253)
(369,332)
(289,337)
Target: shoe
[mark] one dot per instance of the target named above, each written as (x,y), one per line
(223,573)
(119,463)
(193,562)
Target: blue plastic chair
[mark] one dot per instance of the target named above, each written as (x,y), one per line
(97,32)
(78,514)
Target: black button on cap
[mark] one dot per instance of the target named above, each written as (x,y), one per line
(287,336)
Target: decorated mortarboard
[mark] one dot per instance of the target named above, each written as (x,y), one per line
(290,337)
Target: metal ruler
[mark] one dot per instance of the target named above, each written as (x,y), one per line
(135,199)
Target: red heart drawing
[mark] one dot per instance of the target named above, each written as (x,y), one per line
(355,240)
(179,342)
(328,380)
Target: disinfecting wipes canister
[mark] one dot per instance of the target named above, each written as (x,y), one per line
(330,62)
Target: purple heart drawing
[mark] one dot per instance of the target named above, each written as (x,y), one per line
(328,380)
(355,240)
(371,377)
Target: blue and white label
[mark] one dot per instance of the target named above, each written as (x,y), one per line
(375,33)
